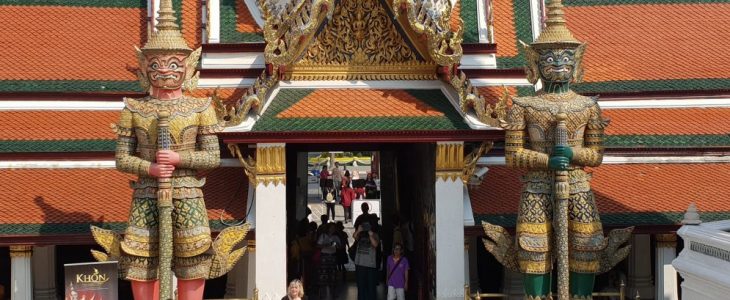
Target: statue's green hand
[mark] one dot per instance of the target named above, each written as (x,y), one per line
(563,151)
(559,163)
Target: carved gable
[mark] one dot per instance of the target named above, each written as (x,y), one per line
(361,41)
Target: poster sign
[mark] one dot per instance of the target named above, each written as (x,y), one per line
(91,281)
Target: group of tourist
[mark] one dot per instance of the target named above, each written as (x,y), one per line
(337,187)
(318,255)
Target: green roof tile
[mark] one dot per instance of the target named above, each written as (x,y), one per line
(468,14)
(229,34)
(618,219)
(57,146)
(61,86)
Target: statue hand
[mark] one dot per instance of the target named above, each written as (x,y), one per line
(161,170)
(563,151)
(168,157)
(559,163)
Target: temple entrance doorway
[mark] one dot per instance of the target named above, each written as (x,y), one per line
(396,181)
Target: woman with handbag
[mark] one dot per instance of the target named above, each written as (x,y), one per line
(398,269)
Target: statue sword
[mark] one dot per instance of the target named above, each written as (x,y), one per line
(164,211)
(561,194)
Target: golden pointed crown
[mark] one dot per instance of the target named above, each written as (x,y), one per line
(168,37)
(556,34)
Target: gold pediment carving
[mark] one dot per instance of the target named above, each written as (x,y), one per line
(361,42)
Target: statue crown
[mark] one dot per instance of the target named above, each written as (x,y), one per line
(167,37)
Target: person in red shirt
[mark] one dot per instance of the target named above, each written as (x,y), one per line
(323,176)
(348,194)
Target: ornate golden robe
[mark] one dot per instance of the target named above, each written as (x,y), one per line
(193,125)
(532,120)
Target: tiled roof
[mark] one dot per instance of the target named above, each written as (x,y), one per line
(227,95)
(343,103)
(47,46)
(624,193)
(63,200)
(511,24)
(467,9)
(236,23)
(358,110)
(668,121)
(57,125)
(192,21)
(644,41)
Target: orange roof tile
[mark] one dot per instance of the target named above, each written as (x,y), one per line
(493,93)
(101,195)
(227,95)
(505,34)
(192,20)
(666,121)
(57,125)
(455,18)
(621,188)
(652,41)
(334,103)
(69,43)
(244,20)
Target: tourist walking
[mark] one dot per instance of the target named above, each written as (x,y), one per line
(337,179)
(328,243)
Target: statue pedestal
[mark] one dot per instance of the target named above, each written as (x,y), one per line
(705,260)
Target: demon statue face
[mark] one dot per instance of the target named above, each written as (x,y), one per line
(166,71)
(556,65)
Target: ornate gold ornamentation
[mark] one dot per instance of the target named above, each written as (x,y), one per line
(449,160)
(360,42)
(616,250)
(289,26)
(270,164)
(501,244)
(431,19)
(251,99)
(471,160)
(470,99)
(248,163)
(21,251)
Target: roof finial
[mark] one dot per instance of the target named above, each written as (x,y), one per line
(168,36)
(556,32)
(691,216)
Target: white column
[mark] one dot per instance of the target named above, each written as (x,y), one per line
(271,221)
(666,275)
(449,221)
(21,281)
(214,23)
(44,273)
(640,278)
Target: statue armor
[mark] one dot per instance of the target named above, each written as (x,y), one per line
(193,124)
(535,116)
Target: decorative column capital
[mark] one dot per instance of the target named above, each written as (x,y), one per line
(21,251)
(666,240)
(449,160)
(271,163)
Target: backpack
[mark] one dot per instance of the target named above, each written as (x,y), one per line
(330,198)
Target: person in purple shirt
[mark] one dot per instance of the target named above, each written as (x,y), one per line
(398,268)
